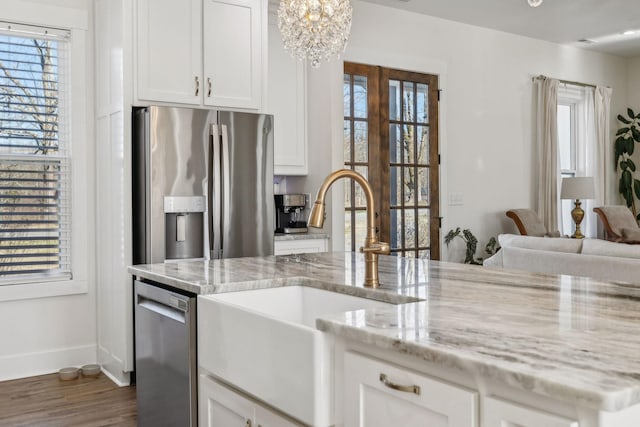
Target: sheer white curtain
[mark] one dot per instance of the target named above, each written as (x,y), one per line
(547,139)
(595,130)
(588,156)
(603,137)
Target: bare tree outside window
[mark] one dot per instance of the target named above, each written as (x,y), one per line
(29,147)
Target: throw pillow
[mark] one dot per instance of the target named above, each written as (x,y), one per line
(631,235)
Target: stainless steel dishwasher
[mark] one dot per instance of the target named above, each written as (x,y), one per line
(166,370)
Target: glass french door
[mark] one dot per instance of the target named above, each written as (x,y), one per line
(391,137)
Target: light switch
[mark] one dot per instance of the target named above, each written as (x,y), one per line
(456,199)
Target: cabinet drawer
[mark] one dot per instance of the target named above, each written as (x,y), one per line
(378,394)
(500,413)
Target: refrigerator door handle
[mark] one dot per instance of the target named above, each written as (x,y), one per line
(226,187)
(214,194)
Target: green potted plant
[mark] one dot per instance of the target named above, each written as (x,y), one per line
(471,243)
(626,137)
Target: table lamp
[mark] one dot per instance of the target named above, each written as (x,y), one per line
(577,188)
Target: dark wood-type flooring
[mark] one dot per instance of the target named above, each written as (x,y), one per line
(46,401)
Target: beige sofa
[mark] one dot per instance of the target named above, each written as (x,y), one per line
(618,262)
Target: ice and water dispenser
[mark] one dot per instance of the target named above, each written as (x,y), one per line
(184,227)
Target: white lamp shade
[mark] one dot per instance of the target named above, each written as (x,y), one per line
(577,188)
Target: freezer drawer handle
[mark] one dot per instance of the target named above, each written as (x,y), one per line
(164,310)
(406,388)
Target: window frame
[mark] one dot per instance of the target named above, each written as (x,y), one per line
(80,149)
(60,155)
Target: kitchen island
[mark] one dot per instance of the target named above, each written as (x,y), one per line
(523,349)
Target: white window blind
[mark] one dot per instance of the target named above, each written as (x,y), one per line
(35,175)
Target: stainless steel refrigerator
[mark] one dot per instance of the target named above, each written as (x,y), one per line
(217,165)
(202,189)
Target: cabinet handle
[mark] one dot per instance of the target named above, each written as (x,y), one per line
(209,86)
(197,85)
(406,388)
(248,423)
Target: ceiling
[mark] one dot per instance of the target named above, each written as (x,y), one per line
(558,21)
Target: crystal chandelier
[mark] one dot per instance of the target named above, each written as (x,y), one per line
(314,29)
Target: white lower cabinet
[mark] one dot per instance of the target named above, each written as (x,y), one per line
(378,394)
(500,413)
(219,406)
(301,246)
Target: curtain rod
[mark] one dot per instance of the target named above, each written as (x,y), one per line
(567,82)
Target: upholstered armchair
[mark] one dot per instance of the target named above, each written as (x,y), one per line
(618,223)
(529,223)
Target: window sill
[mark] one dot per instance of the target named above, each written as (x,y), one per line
(43,290)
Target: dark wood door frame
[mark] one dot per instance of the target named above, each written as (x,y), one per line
(378,138)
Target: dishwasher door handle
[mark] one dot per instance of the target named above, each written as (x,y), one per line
(162,309)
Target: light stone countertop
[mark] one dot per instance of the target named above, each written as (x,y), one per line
(300,236)
(565,337)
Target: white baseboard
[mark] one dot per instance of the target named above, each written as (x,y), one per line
(113,367)
(122,379)
(46,362)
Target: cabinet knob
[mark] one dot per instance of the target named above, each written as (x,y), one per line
(248,423)
(197,85)
(406,388)
(209,87)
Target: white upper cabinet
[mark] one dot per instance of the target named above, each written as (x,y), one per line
(233,53)
(288,104)
(169,54)
(201,52)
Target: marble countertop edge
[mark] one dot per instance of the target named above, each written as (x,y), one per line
(300,236)
(610,401)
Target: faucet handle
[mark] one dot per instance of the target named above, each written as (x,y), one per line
(381,248)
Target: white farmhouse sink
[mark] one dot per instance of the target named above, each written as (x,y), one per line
(265,343)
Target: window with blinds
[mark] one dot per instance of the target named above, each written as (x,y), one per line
(35,178)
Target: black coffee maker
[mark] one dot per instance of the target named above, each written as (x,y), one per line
(290,215)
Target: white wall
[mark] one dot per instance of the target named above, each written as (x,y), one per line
(41,335)
(633,83)
(486,108)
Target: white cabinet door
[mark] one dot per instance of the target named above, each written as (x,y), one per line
(169,51)
(113,184)
(303,246)
(267,418)
(220,407)
(377,394)
(233,53)
(288,104)
(500,413)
